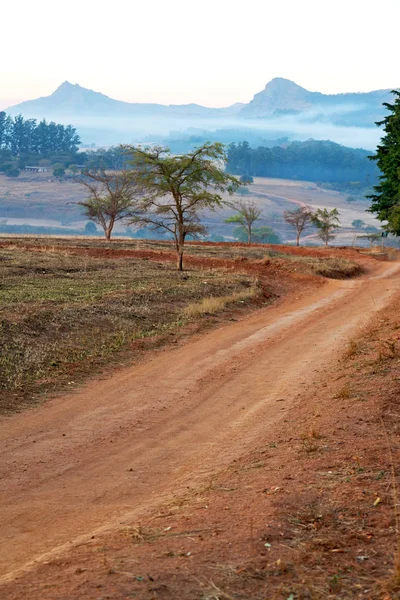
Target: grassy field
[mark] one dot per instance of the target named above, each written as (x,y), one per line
(64,316)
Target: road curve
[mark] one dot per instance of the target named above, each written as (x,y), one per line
(104,454)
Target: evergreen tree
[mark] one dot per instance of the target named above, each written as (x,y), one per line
(386,197)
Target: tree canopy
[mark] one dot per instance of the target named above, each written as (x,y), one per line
(386,197)
(320,161)
(24,136)
(177,189)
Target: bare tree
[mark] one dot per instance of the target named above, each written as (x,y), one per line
(177,188)
(247,213)
(112,196)
(299,218)
(327,222)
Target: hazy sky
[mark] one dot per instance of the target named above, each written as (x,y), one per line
(213,52)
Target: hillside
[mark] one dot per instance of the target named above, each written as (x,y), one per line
(40,200)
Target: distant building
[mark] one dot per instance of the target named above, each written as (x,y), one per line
(36,169)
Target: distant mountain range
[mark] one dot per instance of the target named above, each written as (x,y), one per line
(282,107)
(280,97)
(69,99)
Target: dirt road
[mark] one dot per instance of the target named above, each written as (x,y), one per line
(108,452)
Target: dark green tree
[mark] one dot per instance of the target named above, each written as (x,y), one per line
(59,172)
(358,224)
(246,179)
(386,197)
(176,189)
(5,130)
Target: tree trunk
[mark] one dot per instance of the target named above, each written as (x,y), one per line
(298,240)
(180,241)
(249,235)
(180,259)
(107,233)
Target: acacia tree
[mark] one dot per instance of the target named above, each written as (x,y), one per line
(247,213)
(176,189)
(112,196)
(299,218)
(327,221)
(386,199)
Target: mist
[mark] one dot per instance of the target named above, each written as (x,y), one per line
(314,124)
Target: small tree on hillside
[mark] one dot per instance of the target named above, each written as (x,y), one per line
(358,224)
(247,213)
(260,235)
(299,218)
(112,196)
(327,221)
(246,179)
(176,189)
(59,172)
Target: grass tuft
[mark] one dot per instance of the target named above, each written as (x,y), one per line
(211,305)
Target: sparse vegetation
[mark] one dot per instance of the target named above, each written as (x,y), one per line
(63,315)
(209,306)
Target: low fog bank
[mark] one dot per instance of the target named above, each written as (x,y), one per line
(115,130)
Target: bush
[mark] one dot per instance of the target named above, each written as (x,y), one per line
(59,172)
(12,172)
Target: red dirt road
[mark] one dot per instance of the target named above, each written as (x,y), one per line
(110,451)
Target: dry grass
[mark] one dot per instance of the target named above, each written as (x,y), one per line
(211,305)
(344,392)
(335,268)
(310,440)
(387,349)
(351,350)
(64,316)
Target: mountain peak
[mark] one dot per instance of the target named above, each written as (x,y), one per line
(65,85)
(282,85)
(67,88)
(282,95)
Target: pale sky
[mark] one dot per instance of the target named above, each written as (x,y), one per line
(212,52)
